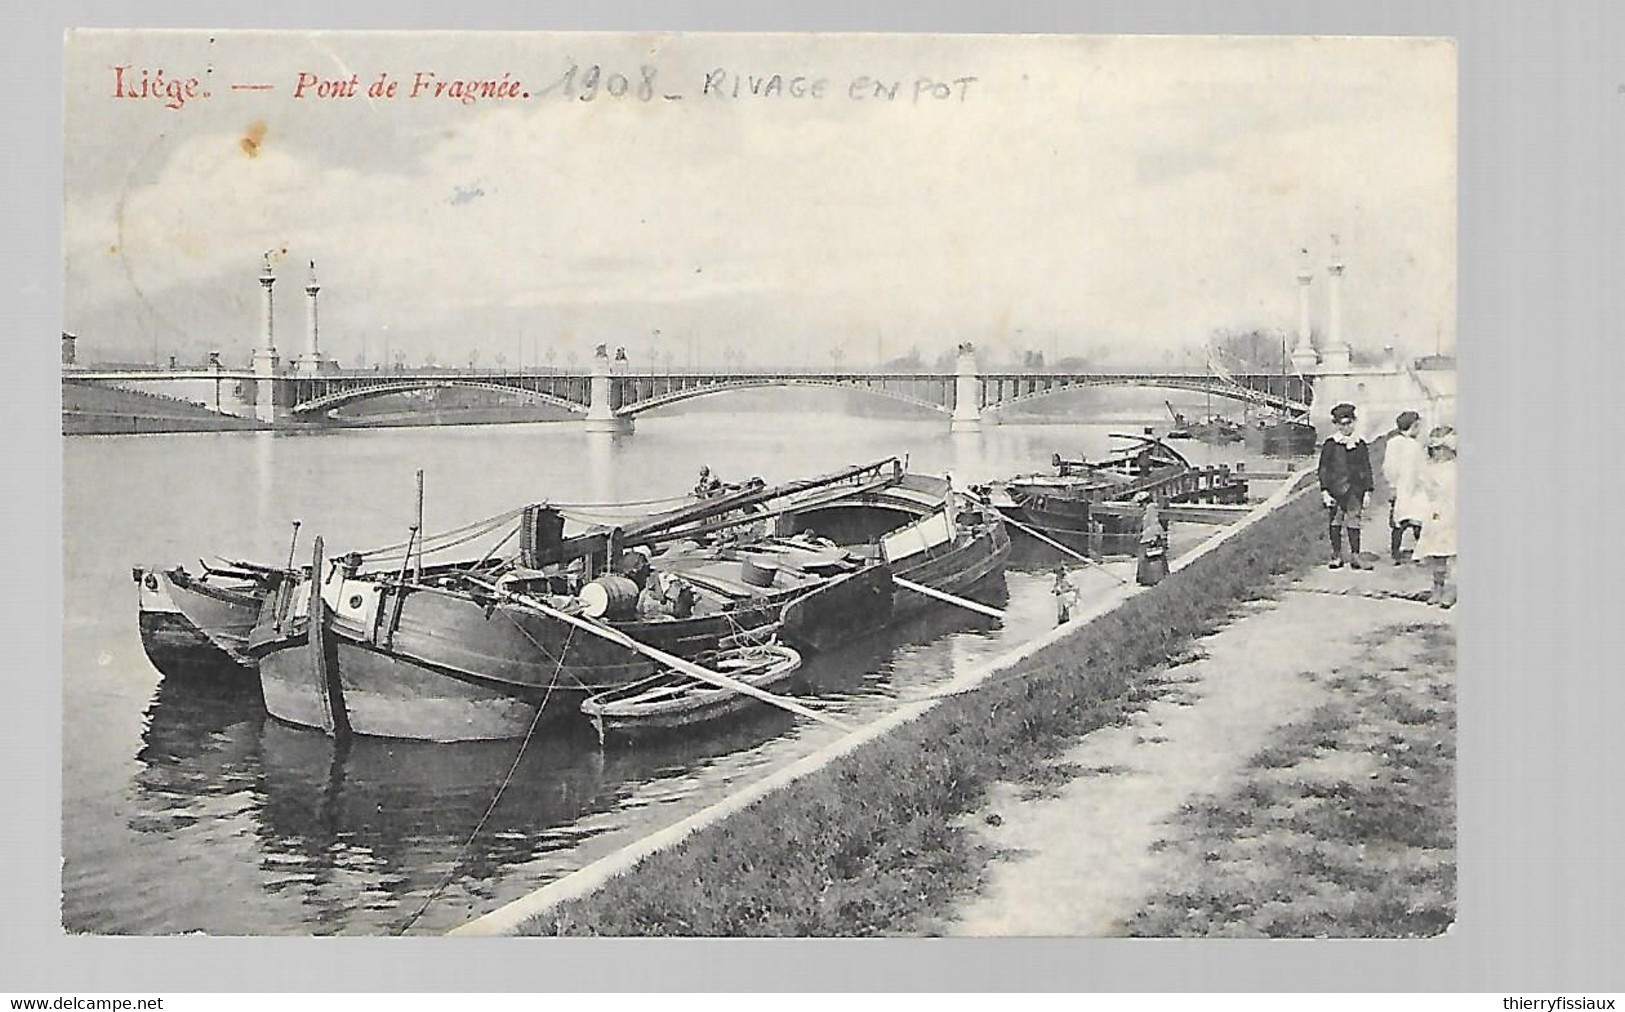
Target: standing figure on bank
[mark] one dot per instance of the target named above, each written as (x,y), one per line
(1345,486)
(1065,596)
(1153,543)
(1402,461)
(1438,487)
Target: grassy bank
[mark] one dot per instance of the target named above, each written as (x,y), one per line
(873,843)
(1344,826)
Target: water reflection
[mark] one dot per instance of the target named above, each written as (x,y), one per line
(358,835)
(364,833)
(201,742)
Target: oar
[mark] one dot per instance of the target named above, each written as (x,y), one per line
(670,660)
(920,588)
(1035,532)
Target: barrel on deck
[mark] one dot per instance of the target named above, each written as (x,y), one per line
(611,597)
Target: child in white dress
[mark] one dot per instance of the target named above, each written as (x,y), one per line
(1437,484)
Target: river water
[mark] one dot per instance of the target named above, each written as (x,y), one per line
(187,809)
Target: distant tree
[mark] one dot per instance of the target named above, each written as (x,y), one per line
(906,363)
(1248,350)
(1359,356)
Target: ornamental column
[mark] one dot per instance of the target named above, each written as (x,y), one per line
(271,393)
(265,351)
(1338,354)
(311,360)
(1304,356)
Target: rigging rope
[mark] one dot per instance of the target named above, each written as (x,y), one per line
(582,512)
(492,807)
(442,546)
(487,524)
(685,497)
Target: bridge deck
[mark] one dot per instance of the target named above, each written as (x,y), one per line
(632,391)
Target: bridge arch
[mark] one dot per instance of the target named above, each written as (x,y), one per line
(350,395)
(1040,388)
(913,394)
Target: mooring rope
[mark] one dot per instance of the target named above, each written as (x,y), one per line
(492,807)
(546,652)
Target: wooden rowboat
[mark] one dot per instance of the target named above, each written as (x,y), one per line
(671,700)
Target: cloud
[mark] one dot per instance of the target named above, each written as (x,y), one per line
(1131,193)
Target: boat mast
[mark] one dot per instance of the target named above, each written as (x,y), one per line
(418,569)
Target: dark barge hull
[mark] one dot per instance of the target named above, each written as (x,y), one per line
(1083,511)
(978,550)
(1282,439)
(453,667)
(191,628)
(973,559)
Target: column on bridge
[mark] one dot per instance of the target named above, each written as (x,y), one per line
(1304,356)
(1337,354)
(312,360)
(271,395)
(265,347)
(967,415)
(601,415)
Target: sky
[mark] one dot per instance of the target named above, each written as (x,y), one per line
(1117,197)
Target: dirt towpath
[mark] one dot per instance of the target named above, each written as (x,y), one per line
(1082,859)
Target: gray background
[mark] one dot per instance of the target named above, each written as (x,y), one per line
(1542,111)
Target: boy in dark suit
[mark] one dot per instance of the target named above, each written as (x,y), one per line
(1345,486)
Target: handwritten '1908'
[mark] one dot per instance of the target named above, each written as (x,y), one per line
(586,84)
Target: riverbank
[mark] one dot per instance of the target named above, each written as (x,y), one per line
(90,410)
(868,837)
(1294,778)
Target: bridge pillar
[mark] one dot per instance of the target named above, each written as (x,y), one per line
(273,393)
(967,416)
(1378,394)
(601,416)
